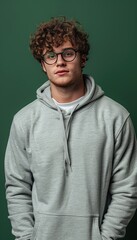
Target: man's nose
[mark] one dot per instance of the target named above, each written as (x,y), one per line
(60,60)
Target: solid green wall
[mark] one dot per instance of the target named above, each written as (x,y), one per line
(112,26)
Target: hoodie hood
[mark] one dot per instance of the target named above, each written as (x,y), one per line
(93,93)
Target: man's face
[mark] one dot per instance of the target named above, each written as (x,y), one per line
(62,73)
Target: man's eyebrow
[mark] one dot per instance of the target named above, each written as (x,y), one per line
(63,49)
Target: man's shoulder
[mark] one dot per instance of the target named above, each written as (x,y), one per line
(113,112)
(113,106)
(27,112)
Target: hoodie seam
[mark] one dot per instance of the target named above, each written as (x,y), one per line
(26,148)
(122,126)
(70,215)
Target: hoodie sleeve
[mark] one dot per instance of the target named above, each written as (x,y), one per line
(123,186)
(18,184)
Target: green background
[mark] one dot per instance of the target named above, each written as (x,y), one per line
(112,26)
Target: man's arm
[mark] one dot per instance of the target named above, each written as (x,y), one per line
(19,184)
(123,187)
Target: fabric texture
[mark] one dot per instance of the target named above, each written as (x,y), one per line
(71,176)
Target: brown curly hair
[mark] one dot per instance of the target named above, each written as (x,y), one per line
(54,33)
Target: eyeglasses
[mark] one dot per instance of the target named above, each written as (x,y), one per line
(68,55)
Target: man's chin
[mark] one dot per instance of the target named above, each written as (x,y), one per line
(62,83)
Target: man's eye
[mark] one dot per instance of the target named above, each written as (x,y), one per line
(68,53)
(51,55)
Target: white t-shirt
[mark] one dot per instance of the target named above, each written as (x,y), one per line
(68,107)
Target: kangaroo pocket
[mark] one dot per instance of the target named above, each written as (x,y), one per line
(65,227)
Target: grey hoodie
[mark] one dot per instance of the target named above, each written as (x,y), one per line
(71,176)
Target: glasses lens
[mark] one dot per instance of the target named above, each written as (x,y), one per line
(69,55)
(50,57)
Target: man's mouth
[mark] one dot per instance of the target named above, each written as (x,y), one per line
(61,72)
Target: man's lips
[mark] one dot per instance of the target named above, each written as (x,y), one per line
(61,72)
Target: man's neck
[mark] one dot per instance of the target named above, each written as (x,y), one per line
(67,94)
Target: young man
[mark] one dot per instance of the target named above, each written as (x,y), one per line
(71,159)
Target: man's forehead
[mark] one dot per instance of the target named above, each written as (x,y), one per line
(64,45)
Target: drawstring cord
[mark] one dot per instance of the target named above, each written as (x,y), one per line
(66,131)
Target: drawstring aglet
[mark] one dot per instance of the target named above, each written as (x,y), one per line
(67,166)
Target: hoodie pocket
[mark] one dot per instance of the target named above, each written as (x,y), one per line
(66,227)
(95,231)
(35,229)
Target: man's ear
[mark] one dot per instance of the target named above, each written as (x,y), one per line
(43,66)
(83,60)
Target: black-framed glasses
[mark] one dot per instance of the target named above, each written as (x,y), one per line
(68,55)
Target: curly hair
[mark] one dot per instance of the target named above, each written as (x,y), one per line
(54,33)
